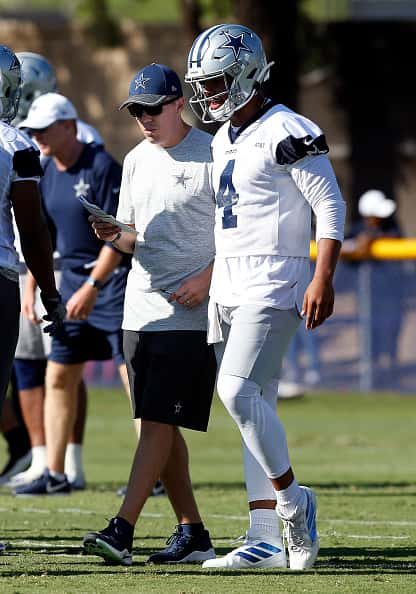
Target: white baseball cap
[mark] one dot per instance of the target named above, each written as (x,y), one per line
(375,204)
(47,109)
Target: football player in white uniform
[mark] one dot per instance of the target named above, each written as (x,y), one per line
(20,171)
(270,171)
(38,78)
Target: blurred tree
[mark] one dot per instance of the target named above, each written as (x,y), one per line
(277,24)
(372,61)
(97,22)
(191,15)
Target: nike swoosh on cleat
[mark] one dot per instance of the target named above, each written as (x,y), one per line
(53,489)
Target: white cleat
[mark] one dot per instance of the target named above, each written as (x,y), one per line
(301,534)
(253,554)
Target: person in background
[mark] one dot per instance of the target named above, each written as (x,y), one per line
(93,274)
(20,171)
(270,170)
(386,282)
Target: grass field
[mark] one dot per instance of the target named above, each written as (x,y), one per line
(358,452)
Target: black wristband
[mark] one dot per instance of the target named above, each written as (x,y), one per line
(94,283)
(117,237)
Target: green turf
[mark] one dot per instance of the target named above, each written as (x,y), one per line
(357,451)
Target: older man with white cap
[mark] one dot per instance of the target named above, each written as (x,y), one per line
(92,290)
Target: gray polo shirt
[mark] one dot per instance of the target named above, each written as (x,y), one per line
(166,194)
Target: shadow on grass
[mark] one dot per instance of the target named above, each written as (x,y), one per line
(330,486)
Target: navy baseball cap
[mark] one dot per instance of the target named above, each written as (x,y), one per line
(153,85)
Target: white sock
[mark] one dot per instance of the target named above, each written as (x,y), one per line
(73,461)
(59,476)
(289,500)
(38,459)
(264,524)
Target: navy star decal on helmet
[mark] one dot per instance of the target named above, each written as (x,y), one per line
(10,83)
(233,53)
(38,78)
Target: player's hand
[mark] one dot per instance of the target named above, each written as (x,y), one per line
(318,302)
(104,231)
(82,302)
(194,290)
(56,313)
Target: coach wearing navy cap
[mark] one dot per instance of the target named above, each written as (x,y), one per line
(154,85)
(166,195)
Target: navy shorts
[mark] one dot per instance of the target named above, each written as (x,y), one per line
(29,373)
(83,342)
(171,376)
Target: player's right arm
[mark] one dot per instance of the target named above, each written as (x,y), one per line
(34,234)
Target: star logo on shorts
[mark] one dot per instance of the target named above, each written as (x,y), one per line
(181,179)
(81,188)
(178,407)
(140,83)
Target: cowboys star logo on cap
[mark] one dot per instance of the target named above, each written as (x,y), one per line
(236,43)
(141,82)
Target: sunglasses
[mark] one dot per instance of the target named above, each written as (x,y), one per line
(137,110)
(33,131)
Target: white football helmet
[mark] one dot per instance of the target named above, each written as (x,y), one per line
(38,78)
(10,83)
(234,53)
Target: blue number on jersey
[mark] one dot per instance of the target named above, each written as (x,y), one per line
(227,196)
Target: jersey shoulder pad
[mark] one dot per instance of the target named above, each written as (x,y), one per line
(299,137)
(26,163)
(23,153)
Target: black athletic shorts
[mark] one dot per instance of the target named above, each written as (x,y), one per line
(171,376)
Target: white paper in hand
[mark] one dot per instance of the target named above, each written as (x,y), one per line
(105,217)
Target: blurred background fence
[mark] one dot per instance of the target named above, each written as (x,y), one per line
(370,341)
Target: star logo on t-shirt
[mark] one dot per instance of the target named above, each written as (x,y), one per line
(178,408)
(236,43)
(181,179)
(81,189)
(140,83)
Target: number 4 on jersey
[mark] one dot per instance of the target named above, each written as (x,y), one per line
(227,196)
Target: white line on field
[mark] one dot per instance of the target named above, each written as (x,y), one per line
(76,510)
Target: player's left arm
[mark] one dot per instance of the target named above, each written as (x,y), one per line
(318,301)
(316,179)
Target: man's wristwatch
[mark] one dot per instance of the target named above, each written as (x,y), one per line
(94,283)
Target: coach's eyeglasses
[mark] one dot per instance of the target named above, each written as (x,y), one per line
(137,110)
(33,131)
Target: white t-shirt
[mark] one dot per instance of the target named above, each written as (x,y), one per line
(166,194)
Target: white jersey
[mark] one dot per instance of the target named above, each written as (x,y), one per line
(267,179)
(19,161)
